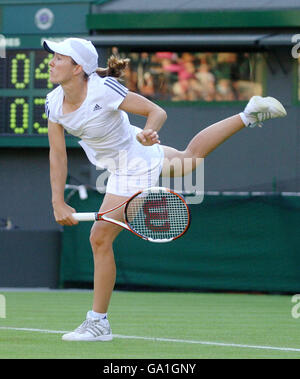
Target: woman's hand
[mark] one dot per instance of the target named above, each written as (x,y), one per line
(63,214)
(148,137)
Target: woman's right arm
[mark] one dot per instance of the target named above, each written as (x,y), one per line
(58,174)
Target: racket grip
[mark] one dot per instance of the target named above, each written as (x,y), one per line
(85,216)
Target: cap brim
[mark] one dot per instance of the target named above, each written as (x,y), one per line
(55,47)
(47,47)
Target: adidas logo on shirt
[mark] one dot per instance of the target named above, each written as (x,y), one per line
(97,107)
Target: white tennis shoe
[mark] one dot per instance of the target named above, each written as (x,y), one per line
(92,329)
(260,109)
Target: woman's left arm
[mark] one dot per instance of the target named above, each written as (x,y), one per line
(156,116)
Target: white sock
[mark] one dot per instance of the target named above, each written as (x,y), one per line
(245,119)
(98,315)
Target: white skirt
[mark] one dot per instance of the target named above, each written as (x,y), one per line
(140,170)
(127,184)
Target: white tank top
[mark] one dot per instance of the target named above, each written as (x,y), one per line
(105,132)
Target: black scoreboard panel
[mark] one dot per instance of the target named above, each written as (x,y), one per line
(2,126)
(24,84)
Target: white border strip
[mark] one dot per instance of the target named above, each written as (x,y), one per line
(196,193)
(165,340)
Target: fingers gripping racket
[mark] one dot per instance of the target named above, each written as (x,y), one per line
(156,214)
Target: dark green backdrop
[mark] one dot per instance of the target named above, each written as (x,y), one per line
(234,244)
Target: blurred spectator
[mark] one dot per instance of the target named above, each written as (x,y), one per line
(207,81)
(224,90)
(147,88)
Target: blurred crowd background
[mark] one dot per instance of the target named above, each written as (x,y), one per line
(192,76)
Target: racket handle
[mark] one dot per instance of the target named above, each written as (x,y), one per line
(88,216)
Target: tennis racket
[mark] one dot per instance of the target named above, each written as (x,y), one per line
(156,214)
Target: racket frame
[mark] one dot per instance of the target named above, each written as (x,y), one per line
(158,189)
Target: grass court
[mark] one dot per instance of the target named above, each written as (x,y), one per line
(151,325)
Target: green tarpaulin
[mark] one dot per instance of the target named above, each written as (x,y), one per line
(235,243)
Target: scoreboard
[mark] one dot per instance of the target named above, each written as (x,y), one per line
(24,73)
(24,84)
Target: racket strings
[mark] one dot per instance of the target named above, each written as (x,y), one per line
(157,215)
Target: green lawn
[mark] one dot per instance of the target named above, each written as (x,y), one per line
(239,319)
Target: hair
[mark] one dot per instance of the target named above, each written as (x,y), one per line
(115,67)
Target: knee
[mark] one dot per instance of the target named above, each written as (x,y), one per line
(100,238)
(182,164)
(191,160)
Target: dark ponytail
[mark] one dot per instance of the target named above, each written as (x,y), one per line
(115,67)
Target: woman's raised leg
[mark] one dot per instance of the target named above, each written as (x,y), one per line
(259,109)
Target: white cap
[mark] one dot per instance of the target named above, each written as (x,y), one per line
(83,52)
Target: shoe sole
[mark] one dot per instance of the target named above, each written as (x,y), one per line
(108,337)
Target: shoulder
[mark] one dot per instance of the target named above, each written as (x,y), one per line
(54,95)
(107,82)
(53,99)
(112,84)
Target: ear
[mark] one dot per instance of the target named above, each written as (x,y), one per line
(78,69)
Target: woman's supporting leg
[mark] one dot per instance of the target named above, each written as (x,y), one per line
(101,238)
(96,327)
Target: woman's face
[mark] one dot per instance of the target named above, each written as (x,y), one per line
(61,69)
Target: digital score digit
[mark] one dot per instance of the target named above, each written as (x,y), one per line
(39,116)
(18,111)
(41,70)
(19,65)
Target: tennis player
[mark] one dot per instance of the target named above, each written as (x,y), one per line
(91,104)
